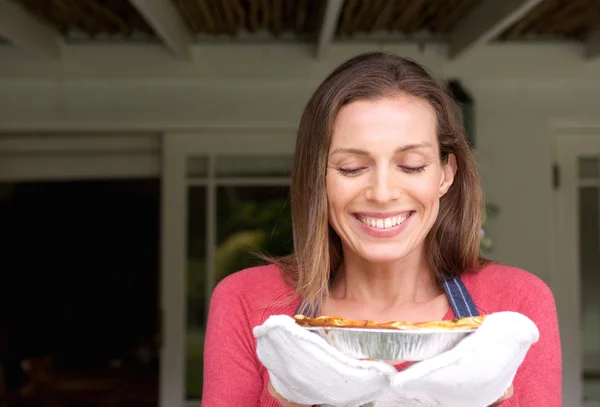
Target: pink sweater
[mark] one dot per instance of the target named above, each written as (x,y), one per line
(233,375)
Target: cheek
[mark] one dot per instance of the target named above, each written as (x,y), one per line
(335,204)
(339,192)
(425,188)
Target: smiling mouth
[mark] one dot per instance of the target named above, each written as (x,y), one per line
(383,223)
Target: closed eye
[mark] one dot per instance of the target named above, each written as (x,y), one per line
(350,171)
(413,170)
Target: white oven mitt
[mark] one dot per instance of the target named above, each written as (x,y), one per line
(305,369)
(475,373)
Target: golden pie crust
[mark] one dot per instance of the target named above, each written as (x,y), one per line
(338,322)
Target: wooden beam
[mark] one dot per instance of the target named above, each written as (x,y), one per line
(333,9)
(25,31)
(485,22)
(168,24)
(593,44)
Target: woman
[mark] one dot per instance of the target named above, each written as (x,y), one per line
(386,206)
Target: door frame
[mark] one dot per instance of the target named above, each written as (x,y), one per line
(76,156)
(569,145)
(177,147)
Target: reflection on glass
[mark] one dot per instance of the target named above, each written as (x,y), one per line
(196,291)
(588,167)
(250,219)
(253,165)
(589,213)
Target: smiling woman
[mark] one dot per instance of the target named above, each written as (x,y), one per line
(388,188)
(386,215)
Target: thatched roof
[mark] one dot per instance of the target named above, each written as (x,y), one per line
(304,20)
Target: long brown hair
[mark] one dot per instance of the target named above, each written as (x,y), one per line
(451,247)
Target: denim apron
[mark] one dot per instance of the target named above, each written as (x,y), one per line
(460,300)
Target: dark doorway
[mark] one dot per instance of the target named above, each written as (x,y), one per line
(80,282)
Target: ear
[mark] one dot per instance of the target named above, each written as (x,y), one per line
(448,172)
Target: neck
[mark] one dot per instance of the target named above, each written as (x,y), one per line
(385,285)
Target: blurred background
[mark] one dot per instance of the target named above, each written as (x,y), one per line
(145,148)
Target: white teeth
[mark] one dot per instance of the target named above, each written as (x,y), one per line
(380,223)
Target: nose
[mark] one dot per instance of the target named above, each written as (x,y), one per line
(382,187)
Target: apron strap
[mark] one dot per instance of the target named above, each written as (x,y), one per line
(303,310)
(460,300)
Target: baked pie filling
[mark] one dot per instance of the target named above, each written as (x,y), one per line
(338,322)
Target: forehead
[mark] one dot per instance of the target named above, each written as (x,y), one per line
(400,119)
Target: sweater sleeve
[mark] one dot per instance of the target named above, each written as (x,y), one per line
(539,379)
(231,369)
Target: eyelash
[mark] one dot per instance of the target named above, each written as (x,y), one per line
(356,171)
(351,172)
(414,170)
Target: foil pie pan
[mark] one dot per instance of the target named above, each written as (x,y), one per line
(410,345)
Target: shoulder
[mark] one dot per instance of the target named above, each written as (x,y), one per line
(498,287)
(254,293)
(233,375)
(255,282)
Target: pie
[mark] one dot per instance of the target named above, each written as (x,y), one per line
(338,322)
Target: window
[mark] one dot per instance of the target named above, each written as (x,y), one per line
(237,204)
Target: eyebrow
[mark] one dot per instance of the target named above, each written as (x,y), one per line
(400,149)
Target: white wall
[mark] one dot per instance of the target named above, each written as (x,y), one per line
(523,94)
(516,129)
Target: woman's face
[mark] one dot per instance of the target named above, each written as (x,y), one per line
(385,177)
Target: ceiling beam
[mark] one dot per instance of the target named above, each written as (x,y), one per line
(593,44)
(485,22)
(333,9)
(25,31)
(164,18)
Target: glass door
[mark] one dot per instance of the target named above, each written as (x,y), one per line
(589,270)
(577,275)
(224,196)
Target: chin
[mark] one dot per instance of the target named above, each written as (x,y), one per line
(389,255)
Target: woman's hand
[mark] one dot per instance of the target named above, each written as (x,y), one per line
(478,370)
(305,369)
